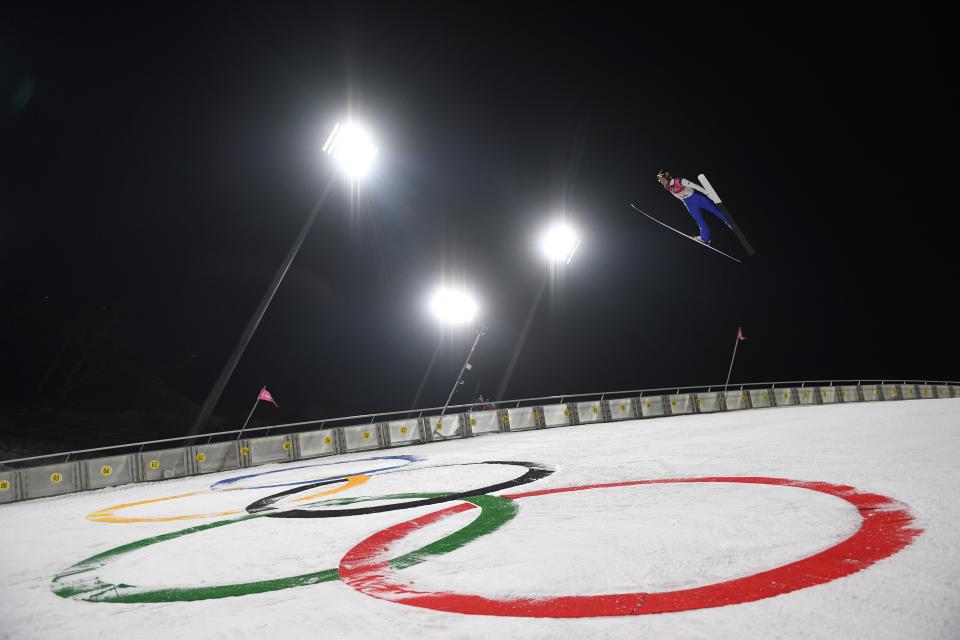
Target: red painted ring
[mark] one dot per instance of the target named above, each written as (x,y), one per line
(886,529)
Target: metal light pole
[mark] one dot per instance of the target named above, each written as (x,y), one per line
(352,149)
(558,243)
(231,364)
(466,366)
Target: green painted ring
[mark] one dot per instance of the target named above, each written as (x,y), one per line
(76,582)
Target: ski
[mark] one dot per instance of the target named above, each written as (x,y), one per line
(713,195)
(683,234)
(736,230)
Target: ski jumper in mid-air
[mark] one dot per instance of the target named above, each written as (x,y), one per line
(695,199)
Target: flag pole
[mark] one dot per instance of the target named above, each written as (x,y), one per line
(730,370)
(250,415)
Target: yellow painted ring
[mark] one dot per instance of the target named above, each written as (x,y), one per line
(107,514)
(352,481)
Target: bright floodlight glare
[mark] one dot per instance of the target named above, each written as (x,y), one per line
(352,148)
(454,307)
(559,243)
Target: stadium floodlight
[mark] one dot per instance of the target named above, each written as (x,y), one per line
(453,306)
(559,243)
(456,307)
(352,148)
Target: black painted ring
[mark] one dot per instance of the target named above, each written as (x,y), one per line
(534,471)
(263,504)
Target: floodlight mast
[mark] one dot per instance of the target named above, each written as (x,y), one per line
(360,150)
(558,243)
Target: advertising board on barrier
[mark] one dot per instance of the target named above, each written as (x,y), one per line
(484,422)
(101,472)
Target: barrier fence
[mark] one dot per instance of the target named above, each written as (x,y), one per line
(83,470)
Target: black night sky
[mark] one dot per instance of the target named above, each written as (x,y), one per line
(157,166)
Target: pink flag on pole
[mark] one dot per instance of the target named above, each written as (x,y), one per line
(740,335)
(265,395)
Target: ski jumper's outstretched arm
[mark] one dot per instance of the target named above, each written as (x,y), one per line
(693,185)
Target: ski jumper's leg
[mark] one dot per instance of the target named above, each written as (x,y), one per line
(709,205)
(694,208)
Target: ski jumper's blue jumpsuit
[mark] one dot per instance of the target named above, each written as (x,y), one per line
(695,200)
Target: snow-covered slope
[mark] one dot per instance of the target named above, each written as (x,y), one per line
(706,539)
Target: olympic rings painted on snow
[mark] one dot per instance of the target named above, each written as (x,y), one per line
(107,514)
(885,530)
(221,484)
(535,471)
(75,582)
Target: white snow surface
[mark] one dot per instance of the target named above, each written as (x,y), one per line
(616,540)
